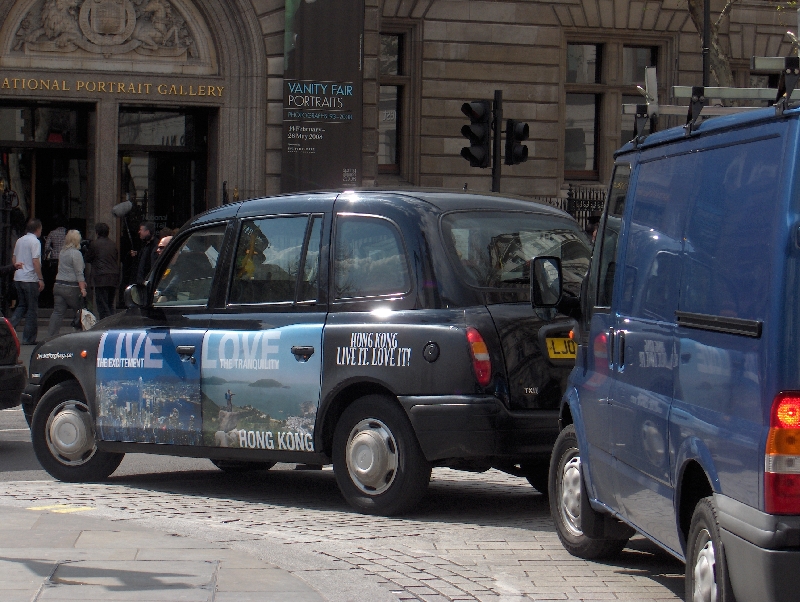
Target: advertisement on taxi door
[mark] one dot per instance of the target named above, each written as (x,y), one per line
(146,392)
(256,393)
(217,388)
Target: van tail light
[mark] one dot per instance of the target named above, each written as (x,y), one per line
(13,334)
(481,362)
(782,456)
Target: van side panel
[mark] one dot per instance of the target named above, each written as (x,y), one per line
(728,274)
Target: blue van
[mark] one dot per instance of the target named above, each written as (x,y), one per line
(681,419)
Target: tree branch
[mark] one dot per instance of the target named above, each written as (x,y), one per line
(725,11)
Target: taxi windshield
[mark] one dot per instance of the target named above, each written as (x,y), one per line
(494,249)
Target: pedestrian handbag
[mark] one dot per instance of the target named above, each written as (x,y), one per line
(84,319)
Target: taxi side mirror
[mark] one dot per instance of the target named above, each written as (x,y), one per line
(135,296)
(546,283)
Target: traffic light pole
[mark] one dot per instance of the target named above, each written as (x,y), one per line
(498,120)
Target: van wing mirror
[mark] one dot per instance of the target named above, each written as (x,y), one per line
(546,282)
(135,296)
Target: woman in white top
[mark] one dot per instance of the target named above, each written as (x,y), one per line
(70,284)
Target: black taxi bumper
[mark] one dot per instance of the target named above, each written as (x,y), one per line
(12,383)
(479,427)
(763,551)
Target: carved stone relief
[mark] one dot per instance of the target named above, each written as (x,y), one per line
(152,28)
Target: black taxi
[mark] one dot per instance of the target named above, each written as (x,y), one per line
(383,332)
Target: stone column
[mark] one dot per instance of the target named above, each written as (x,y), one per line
(104,187)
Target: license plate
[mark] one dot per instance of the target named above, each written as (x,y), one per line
(559,348)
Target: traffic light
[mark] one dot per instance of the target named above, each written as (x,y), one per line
(516,132)
(478,132)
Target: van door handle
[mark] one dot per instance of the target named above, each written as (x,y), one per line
(302,353)
(186,352)
(621,347)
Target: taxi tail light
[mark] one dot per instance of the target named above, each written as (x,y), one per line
(481,362)
(13,334)
(782,456)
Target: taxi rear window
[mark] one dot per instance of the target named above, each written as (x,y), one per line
(492,249)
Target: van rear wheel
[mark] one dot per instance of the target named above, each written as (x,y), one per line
(63,437)
(377,459)
(566,489)
(707,578)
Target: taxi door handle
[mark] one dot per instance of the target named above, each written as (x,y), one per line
(186,352)
(302,353)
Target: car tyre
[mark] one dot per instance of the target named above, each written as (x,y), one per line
(379,465)
(234,467)
(707,578)
(566,488)
(63,437)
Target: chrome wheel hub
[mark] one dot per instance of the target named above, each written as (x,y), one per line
(705,578)
(69,433)
(371,456)
(570,495)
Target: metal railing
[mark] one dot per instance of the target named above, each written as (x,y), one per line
(581,202)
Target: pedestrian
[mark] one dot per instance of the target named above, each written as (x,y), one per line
(70,285)
(147,252)
(104,259)
(54,242)
(162,244)
(28,281)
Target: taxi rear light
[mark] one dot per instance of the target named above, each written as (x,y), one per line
(13,334)
(481,362)
(782,456)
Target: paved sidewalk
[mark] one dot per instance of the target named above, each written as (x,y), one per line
(58,553)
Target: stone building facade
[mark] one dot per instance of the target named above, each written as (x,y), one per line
(177,104)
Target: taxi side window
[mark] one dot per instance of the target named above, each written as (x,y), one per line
(270,256)
(369,259)
(187,278)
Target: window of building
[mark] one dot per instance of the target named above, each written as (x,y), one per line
(394,82)
(43,162)
(599,78)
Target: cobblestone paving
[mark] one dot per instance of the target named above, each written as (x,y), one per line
(475,537)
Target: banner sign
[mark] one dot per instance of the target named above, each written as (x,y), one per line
(322,100)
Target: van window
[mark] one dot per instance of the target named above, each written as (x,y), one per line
(651,279)
(615,208)
(369,259)
(493,250)
(269,258)
(187,278)
(729,241)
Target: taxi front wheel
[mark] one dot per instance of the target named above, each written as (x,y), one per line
(63,437)
(377,459)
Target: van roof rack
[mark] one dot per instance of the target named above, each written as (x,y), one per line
(698,96)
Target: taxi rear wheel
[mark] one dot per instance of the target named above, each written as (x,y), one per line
(377,459)
(234,466)
(63,437)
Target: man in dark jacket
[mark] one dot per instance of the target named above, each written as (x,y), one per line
(104,258)
(147,253)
